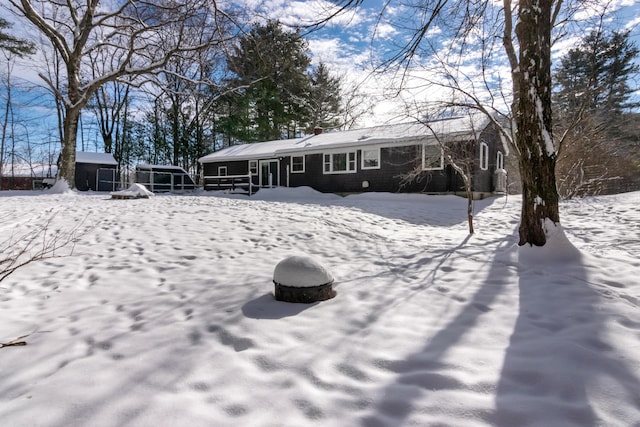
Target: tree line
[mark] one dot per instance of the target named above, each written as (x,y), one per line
(167,85)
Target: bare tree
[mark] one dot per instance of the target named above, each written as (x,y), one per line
(11,48)
(460,155)
(356,104)
(7,111)
(130,37)
(525,31)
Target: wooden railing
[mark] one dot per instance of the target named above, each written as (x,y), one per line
(228,182)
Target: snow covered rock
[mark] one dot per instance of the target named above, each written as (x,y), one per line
(302,279)
(135,191)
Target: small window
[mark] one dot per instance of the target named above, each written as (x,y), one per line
(339,162)
(371,158)
(500,160)
(297,164)
(222,171)
(253,167)
(432,157)
(484,156)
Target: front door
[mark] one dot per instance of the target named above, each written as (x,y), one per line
(269,173)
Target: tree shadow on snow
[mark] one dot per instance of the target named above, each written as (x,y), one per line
(427,372)
(418,209)
(560,367)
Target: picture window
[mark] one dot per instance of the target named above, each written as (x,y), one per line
(339,162)
(371,158)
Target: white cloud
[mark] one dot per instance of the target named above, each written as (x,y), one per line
(301,13)
(384,31)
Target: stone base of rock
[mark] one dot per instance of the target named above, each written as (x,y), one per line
(128,196)
(304,295)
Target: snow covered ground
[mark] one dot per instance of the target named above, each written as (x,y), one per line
(164,314)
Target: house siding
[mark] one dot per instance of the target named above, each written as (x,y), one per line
(395,164)
(235,167)
(484,180)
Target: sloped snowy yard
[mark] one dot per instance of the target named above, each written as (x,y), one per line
(164,314)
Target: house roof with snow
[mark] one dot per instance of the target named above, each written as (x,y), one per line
(95,158)
(146,166)
(395,134)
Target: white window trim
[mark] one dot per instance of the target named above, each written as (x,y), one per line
(424,166)
(220,169)
(253,170)
(500,160)
(349,163)
(362,165)
(304,164)
(484,156)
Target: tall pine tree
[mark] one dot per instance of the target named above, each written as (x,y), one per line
(11,44)
(271,64)
(324,99)
(595,76)
(593,99)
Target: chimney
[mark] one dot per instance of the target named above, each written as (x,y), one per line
(317,130)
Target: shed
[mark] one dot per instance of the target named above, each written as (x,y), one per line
(96,171)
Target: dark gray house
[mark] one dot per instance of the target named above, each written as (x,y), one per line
(379,159)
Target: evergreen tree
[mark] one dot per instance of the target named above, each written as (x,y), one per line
(593,99)
(12,44)
(271,64)
(324,99)
(594,77)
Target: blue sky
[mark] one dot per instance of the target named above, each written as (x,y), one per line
(351,44)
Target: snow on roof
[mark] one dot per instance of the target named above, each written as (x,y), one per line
(145,166)
(40,170)
(395,134)
(95,158)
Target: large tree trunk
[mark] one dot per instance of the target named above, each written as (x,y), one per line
(532,115)
(107,138)
(67,166)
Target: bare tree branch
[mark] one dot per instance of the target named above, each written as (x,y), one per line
(35,245)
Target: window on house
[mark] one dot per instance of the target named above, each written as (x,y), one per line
(432,157)
(484,156)
(297,164)
(222,171)
(253,167)
(340,162)
(500,160)
(371,158)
